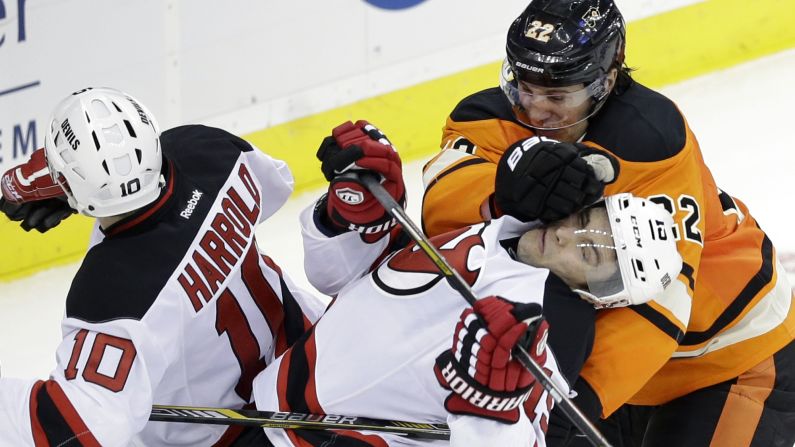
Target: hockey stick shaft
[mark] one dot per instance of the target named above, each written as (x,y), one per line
(296,421)
(457,282)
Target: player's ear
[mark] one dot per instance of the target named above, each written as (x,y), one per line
(612,75)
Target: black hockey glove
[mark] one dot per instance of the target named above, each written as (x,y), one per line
(42,215)
(538,178)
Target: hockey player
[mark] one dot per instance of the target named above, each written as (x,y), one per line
(720,350)
(383,349)
(173,303)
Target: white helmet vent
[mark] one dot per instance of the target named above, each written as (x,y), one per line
(99,109)
(113,134)
(79,172)
(123,165)
(67,156)
(105,193)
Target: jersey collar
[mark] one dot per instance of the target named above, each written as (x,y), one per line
(146,212)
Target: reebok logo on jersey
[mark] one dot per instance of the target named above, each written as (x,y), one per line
(194,200)
(350,196)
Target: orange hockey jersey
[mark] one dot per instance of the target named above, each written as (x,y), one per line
(730,308)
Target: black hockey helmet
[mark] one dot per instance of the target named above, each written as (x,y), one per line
(554,45)
(565,42)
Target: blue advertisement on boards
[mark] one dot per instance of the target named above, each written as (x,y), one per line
(17,135)
(394,4)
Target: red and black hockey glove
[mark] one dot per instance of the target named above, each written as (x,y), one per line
(360,148)
(538,178)
(484,378)
(31,196)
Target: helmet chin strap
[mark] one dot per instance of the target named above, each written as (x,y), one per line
(606,302)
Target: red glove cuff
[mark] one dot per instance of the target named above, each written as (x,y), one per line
(30,181)
(470,398)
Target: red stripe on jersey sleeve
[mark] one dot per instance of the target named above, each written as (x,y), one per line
(281,381)
(294,322)
(266,298)
(39,438)
(269,262)
(70,414)
(65,410)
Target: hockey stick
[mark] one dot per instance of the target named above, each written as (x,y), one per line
(296,421)
(457,282)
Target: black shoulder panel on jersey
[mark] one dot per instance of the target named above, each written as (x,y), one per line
(561,431)
(195,139)
(639,125)
(572,323)
(121,277)
(485,104)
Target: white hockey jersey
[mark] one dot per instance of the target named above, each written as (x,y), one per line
(173,305)
(372,354)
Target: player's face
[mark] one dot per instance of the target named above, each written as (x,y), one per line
(578,249)
(560,113)
(554,107)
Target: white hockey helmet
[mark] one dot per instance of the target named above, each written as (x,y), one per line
(647,257)
(103,148)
